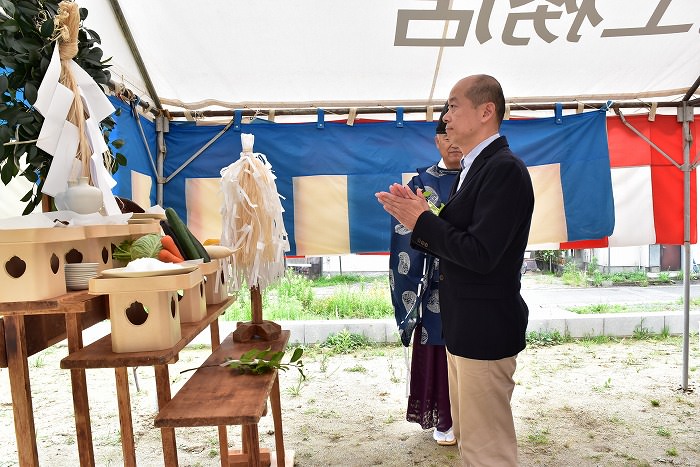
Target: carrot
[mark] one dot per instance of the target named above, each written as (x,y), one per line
(165,256)
(169,244)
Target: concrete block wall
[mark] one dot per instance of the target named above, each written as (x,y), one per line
(576,326)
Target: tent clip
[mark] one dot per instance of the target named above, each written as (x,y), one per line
(352,114)
(558,110)
(652,111)
(320,123)
(237,117)
(399,117)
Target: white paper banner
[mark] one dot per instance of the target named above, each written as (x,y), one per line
(98,105)
(47,88)
(103,180)
(63,158)
(97,141)
(54,118)
(60,138)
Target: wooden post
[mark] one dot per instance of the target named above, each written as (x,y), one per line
(256,327)
(256,305)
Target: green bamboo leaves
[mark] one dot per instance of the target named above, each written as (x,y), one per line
(258,361)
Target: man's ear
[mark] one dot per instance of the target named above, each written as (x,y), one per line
(437,141)
(489,111)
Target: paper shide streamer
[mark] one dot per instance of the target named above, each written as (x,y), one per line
(73,105)
(252,222)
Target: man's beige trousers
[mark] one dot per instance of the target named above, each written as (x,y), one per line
(480,392)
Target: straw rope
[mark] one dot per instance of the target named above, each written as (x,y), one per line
(66,26)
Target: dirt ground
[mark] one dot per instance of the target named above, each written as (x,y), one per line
(583,404)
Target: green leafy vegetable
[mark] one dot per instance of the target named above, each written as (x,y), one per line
(147,246)
(122,252)
(262,361)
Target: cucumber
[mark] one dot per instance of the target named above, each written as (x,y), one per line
(181,234)
(200,248)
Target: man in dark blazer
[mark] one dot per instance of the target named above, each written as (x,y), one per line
(480,236)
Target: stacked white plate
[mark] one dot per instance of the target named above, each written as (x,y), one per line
(79,274)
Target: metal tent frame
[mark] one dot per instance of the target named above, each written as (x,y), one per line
(685,114)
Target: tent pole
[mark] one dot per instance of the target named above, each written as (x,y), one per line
(162,127)
(692,90)
(135,54)
(685,116)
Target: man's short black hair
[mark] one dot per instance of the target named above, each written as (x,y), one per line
(440,128)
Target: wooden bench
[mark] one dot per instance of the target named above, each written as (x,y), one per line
(218,396)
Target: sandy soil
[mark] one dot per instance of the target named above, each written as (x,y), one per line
(581,404)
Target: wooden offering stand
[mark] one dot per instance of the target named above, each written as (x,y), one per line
(256,328)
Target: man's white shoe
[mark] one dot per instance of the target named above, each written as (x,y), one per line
(444,438)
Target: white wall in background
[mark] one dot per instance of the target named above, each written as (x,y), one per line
(355,264)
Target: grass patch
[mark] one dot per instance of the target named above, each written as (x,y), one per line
(292,299)
(289,299)
(347,279)
(368,302)
(629,277)
(604,387)
(573,276)
(642,333)
(598,308)
(358,296)
(295,390)
(357,369)
(694,302)
(345,342)
(546,338)
(37,361)
(590,339)
(539,437)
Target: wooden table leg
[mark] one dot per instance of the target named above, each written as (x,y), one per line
(168,433)
(126,427)
(277,420)
(223,433)
(18,371)
(223,446)
(214,331)
(81,407)
(250,434)
(244,441)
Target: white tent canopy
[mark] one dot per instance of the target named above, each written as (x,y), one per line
(307,54)
(265,54)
